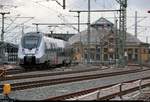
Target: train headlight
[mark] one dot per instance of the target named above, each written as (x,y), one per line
(23,51)
(36,51)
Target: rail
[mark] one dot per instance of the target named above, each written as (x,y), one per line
(106,92)
(100,96)
(3,71)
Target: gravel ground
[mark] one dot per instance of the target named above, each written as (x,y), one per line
(54,90)
(59,76)
(144,95)
(136,95)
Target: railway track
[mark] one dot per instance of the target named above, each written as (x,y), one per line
(76,95)
(15,77)
(49,73)
(47,82)
(10,69)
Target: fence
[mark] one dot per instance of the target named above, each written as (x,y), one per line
(12,57)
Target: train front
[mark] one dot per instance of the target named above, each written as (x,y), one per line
(31,49)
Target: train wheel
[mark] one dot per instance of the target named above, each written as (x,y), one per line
(64,63)
(26,68)
(69,64)
(47,64)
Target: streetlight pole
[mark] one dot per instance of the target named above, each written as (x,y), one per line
(2,37)
(141,66)
(2,34)
(88,32)
(78,21)
(81,49)
(135,24)
(37,28)
(116,39)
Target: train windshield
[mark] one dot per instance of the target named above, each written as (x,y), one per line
(31,42)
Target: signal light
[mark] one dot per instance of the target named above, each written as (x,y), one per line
(6,89)
(22,50)
(36,51)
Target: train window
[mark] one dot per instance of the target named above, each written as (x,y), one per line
(51,46)
(57,49)
(45,47)
(31,41)
(60,49)
(54,46)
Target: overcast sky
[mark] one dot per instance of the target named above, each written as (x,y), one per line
(48,11)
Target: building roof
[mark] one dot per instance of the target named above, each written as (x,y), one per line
(102,22)
(130,39)
(2,44)
(100,28)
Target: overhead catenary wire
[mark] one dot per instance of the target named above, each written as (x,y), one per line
(60,15)
(19,25)
(51,9)
(138,22)
(11,22)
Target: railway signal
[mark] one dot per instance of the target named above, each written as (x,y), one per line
(6,89)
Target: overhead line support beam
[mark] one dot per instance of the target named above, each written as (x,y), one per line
(55,24)
(59,23)
(121,41)
(94,10)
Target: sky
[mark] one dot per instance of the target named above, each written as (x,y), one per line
(48,11)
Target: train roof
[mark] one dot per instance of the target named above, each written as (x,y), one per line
(33,33)
(58,42)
